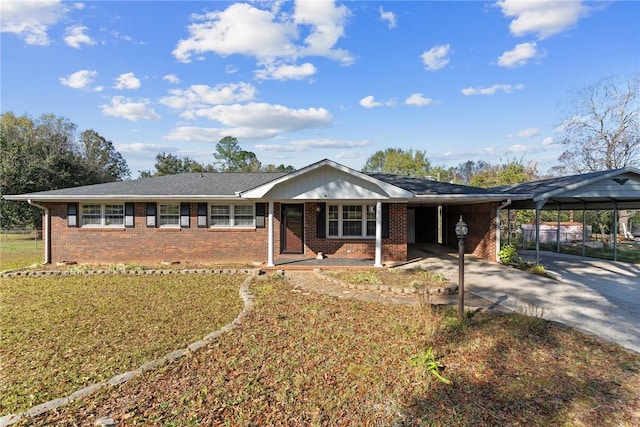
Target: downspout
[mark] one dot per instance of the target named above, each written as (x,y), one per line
(498,213)
(45,235)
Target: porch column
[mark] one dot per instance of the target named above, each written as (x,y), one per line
(378,259)
(270,261)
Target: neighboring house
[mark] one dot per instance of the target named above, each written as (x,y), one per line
(207,218)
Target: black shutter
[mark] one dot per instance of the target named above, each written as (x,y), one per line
(202,215)
(151,214)
(321,221)
(129,215)
(385,220)
(185,215)
(72,215)
(260,214)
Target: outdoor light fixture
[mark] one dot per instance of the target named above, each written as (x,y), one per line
(461,228)
(461,231)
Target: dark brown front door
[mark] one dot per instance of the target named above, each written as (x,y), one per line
(293,229)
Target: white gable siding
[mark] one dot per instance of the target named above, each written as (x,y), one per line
(609,188)
(326,183)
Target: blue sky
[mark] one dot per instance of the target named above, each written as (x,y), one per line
(300,81)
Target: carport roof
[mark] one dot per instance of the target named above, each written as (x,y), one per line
(619,188)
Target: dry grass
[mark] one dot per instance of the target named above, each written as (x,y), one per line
(60,334)
(397,278)
(307,359)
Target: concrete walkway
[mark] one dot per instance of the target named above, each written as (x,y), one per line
(595,296)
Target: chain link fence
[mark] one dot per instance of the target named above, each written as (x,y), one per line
(11,235)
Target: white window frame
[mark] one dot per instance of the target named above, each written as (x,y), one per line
(233,216)
(368,214)
(102,215)
(163,216)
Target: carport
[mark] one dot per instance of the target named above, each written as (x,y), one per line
(607,190)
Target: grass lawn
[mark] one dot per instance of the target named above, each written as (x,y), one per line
(60,334)
(396,278)
(301,358)
(20,250)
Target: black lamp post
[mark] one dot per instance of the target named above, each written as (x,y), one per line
(461,232)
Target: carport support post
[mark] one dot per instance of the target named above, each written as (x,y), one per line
(558,231)
(615,231)
(539,205)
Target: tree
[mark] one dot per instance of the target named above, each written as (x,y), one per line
(104,163)
(464,172)
(280,168)
(511,172)
(602,130)
(399,161)
(170,164)
(232,158)
(46,154)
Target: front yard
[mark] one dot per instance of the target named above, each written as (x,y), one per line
(301,358)
(60,334)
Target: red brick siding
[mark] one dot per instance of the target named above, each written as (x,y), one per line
(153,245)
(394,248)
(481,220)
(141,244)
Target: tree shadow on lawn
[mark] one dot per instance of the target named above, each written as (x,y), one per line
(529,372)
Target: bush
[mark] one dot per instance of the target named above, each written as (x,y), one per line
(508,254)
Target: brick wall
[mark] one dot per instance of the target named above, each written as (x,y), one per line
(153,245)
(481,220)
(394,248)
(144,245)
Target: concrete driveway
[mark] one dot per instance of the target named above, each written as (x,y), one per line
(595,296)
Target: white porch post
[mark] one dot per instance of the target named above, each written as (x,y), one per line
(270,260)
(378,259)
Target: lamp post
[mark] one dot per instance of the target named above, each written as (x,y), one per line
(461,232)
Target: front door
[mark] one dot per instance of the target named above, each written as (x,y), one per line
(293,229)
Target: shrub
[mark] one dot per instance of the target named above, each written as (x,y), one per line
(508,254)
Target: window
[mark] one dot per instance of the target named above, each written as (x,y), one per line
(351,220)
(169,215)
(102,216)
(232,216)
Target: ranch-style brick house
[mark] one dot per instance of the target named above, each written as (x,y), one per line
(206,218)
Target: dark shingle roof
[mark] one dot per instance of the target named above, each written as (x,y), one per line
(551,184)
(186,184)
(427,187)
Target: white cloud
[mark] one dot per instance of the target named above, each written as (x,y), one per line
(286,72)
(171,78)
(141,147)
(544,18)
(491,90)
(549,141)
(75,36)
(267,34)
(389,17)
(370,102)
(308,144)
(128,109)
(520,55)
(30,20)
(520,148)
(80,79)
(252,121)
(417,100)
(200,96)
(127,81)
(526,133)
(349,155)
(436,57)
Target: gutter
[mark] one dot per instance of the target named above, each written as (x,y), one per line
(45,234)
(498,212)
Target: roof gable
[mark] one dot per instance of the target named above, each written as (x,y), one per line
(327,180)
